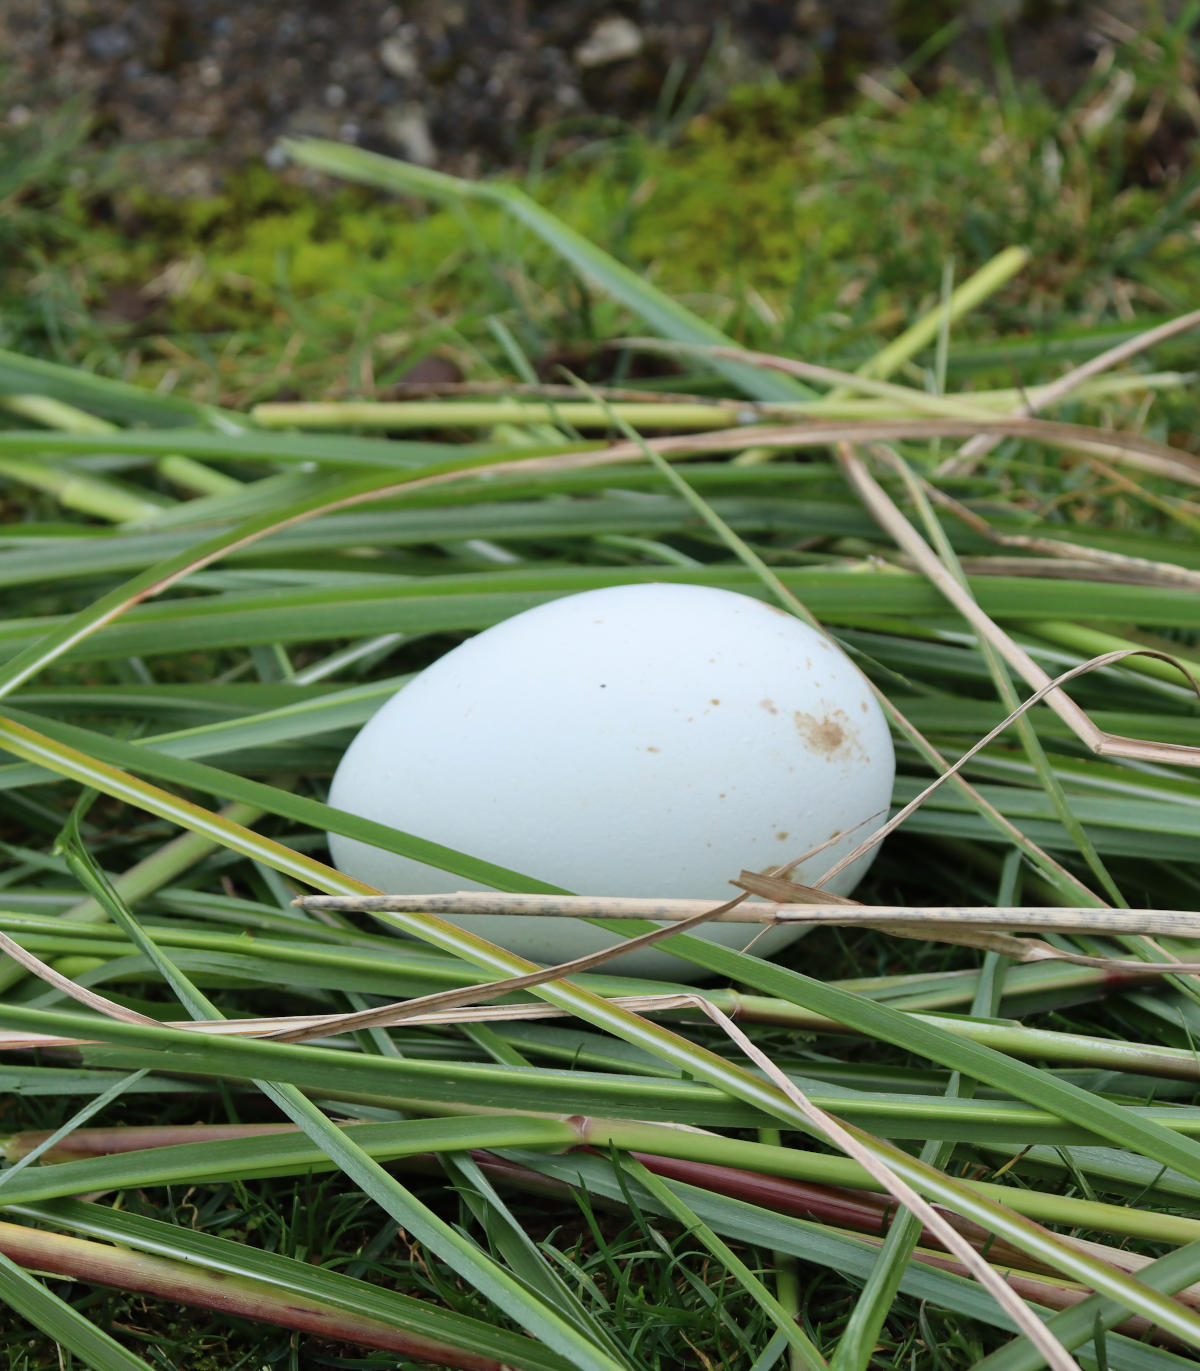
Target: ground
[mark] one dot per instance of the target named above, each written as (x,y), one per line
(473,85)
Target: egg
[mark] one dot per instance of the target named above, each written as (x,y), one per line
(648,740)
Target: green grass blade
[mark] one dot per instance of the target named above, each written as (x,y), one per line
(289,1276)
(540,1318)
(1074,1327)
(521,1254)
(988,279)
(94,1106)
(29,1299)
(368,606)
(663,314)
(23,375)
(47,750)
(877,1020)
(463,1256)
(87,872)
(806,1354)
(159,576)
(824,1246)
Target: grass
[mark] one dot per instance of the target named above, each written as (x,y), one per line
(205,598)
(267,288)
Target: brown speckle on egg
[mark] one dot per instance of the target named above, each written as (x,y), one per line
(828,734)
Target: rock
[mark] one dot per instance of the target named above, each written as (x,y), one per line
(408,128)
(398,53)
(612,39)
(108,42)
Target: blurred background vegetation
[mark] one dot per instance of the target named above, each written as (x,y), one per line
(814,214)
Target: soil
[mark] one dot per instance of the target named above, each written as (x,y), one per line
(471,86)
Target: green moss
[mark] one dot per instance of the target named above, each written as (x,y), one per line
(825,236)
(264,244)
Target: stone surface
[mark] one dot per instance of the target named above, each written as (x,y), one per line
(614,39)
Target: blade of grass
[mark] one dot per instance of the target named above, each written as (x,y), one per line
(171,1266)
(664,314)
(782,1177)
(52,1140)
(521,1254)
(820,1244)
(121,400)
(1077,1325)
(894,521)
(856,1345)
(572,1337)
(395,415)
(973,291)
(1004,688)
(1151,1139)
(30,1300)
(807,1354)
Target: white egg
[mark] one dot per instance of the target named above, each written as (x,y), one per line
(638,740)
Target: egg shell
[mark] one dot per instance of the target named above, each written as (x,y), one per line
(647,739)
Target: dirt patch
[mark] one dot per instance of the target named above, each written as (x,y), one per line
(475,85)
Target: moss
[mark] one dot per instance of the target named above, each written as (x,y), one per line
(788,234)
(865,212)
(265,241)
